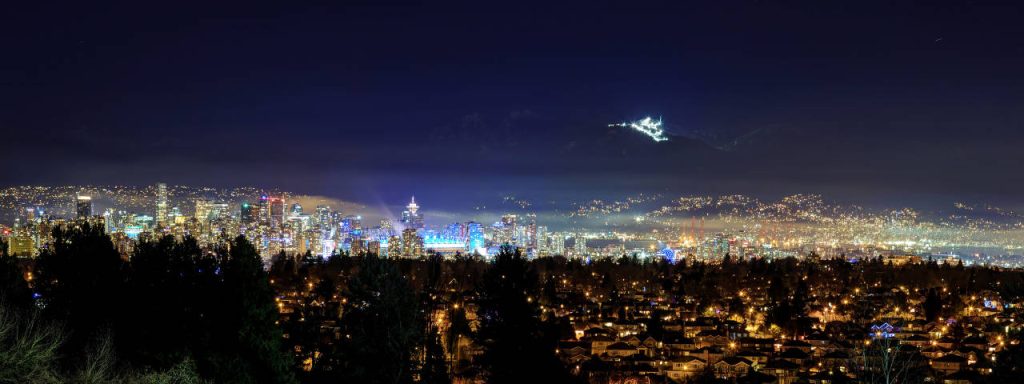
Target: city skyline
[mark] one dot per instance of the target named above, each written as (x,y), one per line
(648,226)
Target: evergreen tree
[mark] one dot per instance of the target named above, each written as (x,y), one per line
(14,291)
(435,366)
(81,282)
(932,305)
(515,350)
(158,331)
(247,342)
(381,327)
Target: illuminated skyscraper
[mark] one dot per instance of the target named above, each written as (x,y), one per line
(161,204)
(412,243)
(476,236)
(356,247)
(507,231)
(394,246)
(276,211)
(21,244)
(531,231)
(543,244)
(351,223)
(373,247)
(411,217)
(203,209)
(264,210)
(323,216)
(83,207)
(248,214)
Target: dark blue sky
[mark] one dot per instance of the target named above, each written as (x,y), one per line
(879,102)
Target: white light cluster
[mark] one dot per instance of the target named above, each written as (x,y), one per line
(648,126)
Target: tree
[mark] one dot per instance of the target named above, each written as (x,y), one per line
(81,283)
(887,362)
(381,327)
(435,366)
(14,291)
(932,305)
(247,342)
(510,328)
(162,326)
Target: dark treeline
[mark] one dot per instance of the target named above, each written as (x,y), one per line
(177,313)
(171,308)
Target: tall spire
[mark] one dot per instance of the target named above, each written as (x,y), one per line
(412,207)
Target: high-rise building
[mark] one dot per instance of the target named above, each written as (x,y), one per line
(580,246)
(475,233)
(356,247)
(161,204)
(557,244)
(394,246)
(411,218)
(543,242)
(323,216)
(531,231)
(21,244)
(83,207)
(506,233)
(351,223)
(248,213)
(264,210)
(373,247)
(412,243)
(203,209)
(276,212)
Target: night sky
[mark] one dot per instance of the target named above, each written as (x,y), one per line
(872,102)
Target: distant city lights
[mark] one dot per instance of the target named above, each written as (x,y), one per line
(648,126)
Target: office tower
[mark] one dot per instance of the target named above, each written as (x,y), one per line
(385,224)
(248,214)
(110,220)
(507,230)
(351,223)
(412,243)
(276,212)
(161,204)
(531,231)
(394,246)
(543,242)
(580,245)
(557,244)
(264,210)
(373,247)
(411,218)
(83,207)
(356,246)
(174,216)
(476,236)
(323,216)
(21,244)
(204,209)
